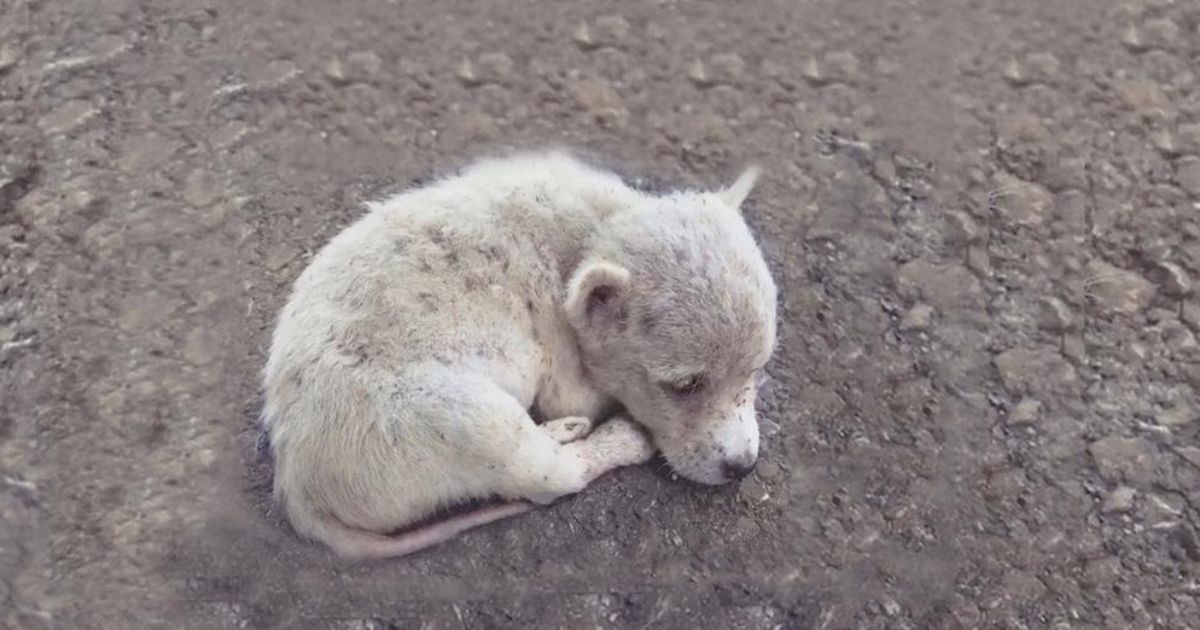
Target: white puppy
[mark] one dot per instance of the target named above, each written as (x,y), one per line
(414,348)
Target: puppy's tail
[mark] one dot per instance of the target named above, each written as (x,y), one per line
(357,544)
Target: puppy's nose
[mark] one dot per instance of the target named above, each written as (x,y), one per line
(736,469)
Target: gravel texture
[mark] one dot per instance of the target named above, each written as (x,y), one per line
(984,218)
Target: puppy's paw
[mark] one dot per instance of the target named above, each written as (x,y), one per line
(568,429)
(622,442)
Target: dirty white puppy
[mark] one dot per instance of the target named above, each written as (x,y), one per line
(414,348)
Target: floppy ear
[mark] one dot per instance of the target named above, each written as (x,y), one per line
(737,193)
(597,294)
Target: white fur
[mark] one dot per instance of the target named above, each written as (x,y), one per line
(404,366)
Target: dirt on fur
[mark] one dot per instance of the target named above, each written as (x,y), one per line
(984,218)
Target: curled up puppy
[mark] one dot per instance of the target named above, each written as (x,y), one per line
(405,366)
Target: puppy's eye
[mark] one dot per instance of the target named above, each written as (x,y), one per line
(760,377)
(684,387)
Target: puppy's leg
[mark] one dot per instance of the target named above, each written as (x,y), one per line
(568,429)
(618,442)
(550,470)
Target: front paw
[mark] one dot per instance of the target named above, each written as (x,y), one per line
(624,441)
(569,429)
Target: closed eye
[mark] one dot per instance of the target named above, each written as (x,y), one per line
(685,387)
(760,377)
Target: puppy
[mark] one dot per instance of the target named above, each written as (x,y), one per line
(406,364)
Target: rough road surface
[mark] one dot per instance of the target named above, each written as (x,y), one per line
(984,218)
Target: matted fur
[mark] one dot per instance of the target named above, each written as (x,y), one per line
(405,364)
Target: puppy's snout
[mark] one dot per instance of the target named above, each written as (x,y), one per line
(736,469)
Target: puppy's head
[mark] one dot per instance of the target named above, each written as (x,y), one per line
(674,310)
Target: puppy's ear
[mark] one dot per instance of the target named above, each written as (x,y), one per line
(597,294)
(737,193)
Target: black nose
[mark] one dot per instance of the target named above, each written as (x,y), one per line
(736,470)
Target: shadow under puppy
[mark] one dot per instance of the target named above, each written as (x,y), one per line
(405,364)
